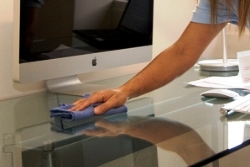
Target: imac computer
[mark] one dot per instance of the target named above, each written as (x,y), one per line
(53,40)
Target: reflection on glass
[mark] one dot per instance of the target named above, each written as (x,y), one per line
(171,137)
(236,133)
(61,28)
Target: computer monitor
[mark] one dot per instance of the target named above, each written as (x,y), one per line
(46,49)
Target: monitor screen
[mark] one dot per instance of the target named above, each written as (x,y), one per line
(46,46)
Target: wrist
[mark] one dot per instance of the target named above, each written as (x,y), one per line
(126,91)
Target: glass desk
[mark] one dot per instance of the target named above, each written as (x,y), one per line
(172,126)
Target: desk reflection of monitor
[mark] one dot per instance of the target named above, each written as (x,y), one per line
(57,56)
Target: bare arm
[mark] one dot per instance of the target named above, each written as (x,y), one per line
(173,61)
(168,65)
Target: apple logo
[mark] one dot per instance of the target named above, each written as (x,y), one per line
(94,62)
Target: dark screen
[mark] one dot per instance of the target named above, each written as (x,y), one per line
(47,28)
(139,17)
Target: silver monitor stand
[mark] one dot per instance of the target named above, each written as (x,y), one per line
(220,64)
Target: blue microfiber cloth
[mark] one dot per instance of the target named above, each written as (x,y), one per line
(80,128)
(63,112)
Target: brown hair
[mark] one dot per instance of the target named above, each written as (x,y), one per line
(243,12)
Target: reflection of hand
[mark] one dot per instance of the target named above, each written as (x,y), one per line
(112,98)
(166,134)
(106,128)
(151,129)
(156,130)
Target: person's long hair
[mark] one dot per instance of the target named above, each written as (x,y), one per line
(243,12)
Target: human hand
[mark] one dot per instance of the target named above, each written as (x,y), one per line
(112,98)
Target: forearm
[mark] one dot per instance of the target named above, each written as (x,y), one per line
(168,65)
(173,61)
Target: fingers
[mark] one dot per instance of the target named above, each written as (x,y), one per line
(85,102)
(110,103)
(109,99)
(80,105)
(115,100)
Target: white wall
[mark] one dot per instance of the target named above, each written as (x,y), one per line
(171,20)
(172,16)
